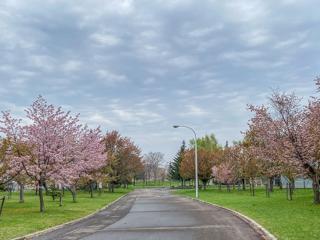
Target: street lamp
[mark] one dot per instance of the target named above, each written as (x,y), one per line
(195,155)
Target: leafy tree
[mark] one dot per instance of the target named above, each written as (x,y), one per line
(208,142)
(208,155)
(12,147)
(206,160)
(124,159)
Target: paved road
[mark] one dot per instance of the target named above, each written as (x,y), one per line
(157,214)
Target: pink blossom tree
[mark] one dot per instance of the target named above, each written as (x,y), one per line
(90,160)
(288,135)
(310,156)
(246,162)
(59,148)
(224,173)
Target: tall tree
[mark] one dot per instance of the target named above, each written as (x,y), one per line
(208,155)
(124,159)
(206,160)
(90,160)
(174,166)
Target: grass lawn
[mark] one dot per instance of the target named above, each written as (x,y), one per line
(155,184)
(297,219)
(18,219)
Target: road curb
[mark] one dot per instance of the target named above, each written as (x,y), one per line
(266,235)
(47,230)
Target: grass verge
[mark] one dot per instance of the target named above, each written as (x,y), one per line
(294,220)
(19,219)
(156,184)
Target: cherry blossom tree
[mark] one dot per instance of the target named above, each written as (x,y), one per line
(88,163)
(53,148)
(224,173)
(310,160)
(288,135)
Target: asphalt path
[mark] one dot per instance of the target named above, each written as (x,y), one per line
(157,214)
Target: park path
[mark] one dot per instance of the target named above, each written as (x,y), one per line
(157,214)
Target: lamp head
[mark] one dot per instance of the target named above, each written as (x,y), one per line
(175,126)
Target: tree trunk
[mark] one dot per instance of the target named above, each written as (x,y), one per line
(1,204)
(73,191)
(267,191)
(37,190)
(243,184)
(316,191)
(228,187)
(289,187)
(60,200)
(45,187)
(91,190)
(41,187)
(253,190)
(252,187)
(271,184)
(111,187)
(204,184)
(238,186)
(21,195)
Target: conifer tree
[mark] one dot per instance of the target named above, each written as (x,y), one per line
(174,166)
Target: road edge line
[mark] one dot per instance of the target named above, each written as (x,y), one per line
(252,223)
(47,230)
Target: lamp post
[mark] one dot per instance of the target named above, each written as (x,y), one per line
(195,156)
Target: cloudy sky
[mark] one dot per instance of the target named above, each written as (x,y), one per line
(140,66)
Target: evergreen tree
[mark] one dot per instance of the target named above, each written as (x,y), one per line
(174,166)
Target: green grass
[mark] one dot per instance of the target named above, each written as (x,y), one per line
(18,219)
(156,184)
(294,220)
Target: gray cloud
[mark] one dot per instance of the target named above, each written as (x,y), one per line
(140,66)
